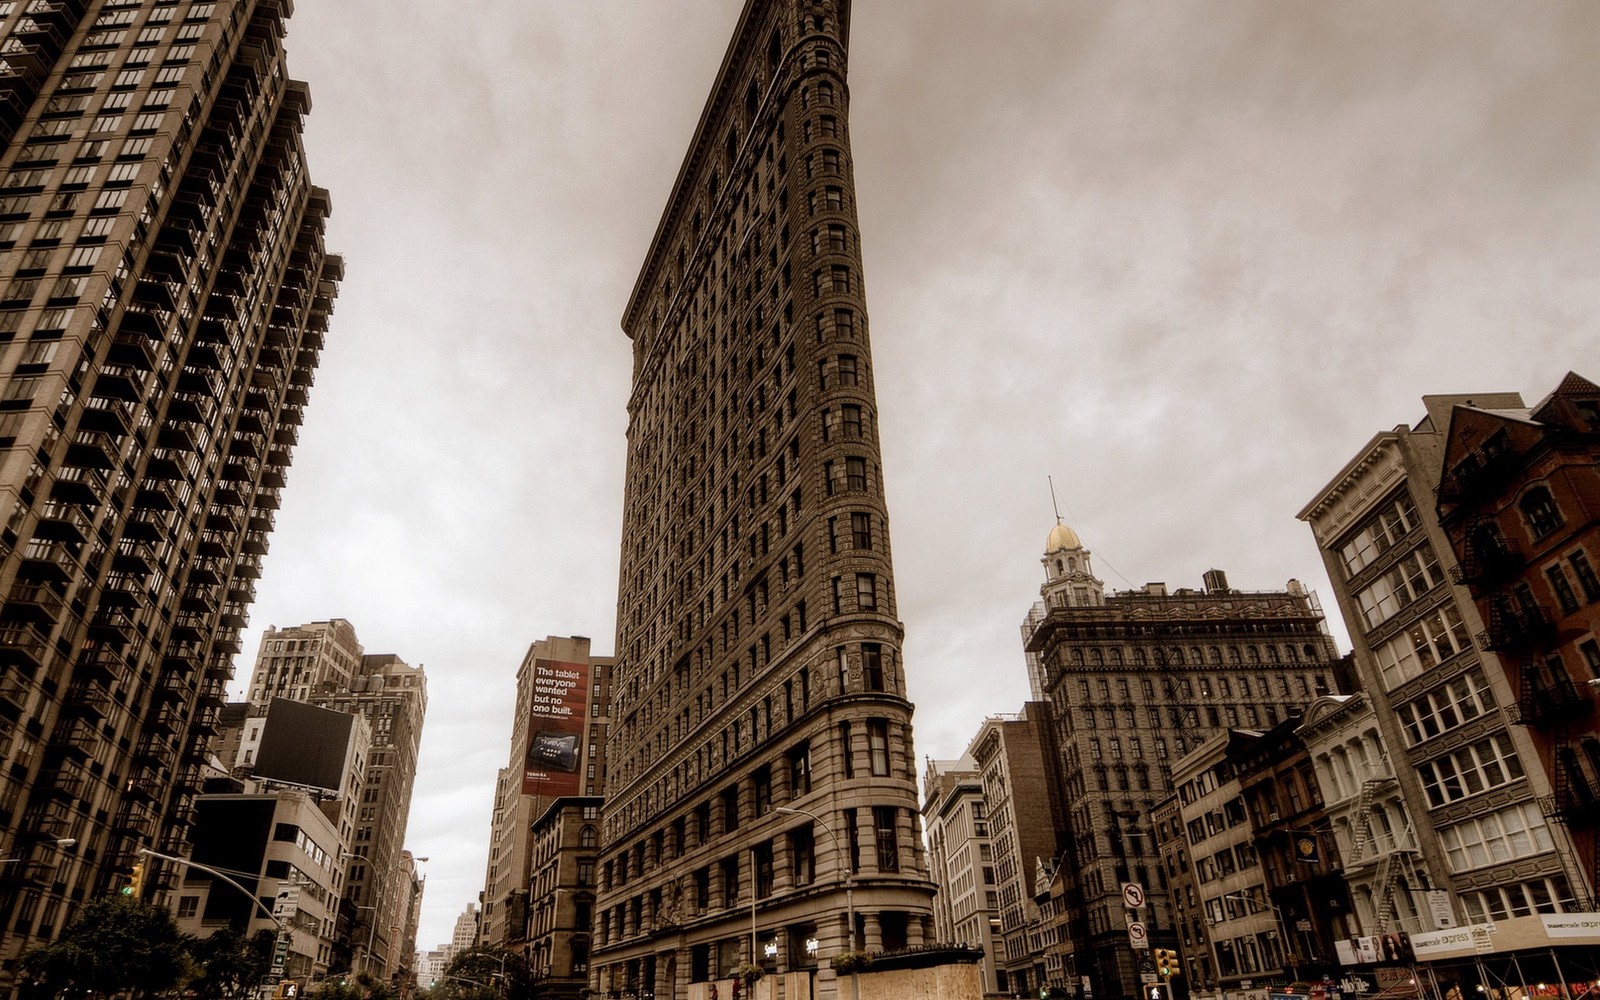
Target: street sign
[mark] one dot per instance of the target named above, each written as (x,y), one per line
(1149,978)
(1138,936)
(1132,895)
(287,903)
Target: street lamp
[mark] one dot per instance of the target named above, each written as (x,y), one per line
(377,901)
(61,843)
(1283,927)
(849,888)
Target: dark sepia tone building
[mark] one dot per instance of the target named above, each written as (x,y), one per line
(1016,766)
(324,664)
(761,738)
(164,293)
(562,869)
(1520,502)
(1490,849)
(524,798)
(1135,679)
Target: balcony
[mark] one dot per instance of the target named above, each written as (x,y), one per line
(86,699)
(49,560)
(23,646)
(140,325)
(93,450)
(36,603)
(1480,474)
(106,417)
(68,783)
(1487,563)
(78,485)
(157,750)
(135,820)
(78,739)
(14,691)
(63,522)
(1512,629)
(114,385)
(132,351)
(156,496)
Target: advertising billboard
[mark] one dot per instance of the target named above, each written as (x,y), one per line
(556,715)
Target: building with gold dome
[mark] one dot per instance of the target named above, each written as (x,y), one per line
(1134,680)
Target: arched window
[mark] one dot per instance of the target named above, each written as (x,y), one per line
(587,837)
(1540,510)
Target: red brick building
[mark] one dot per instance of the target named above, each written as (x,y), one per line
(1520,501)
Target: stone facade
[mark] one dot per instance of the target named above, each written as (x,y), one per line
(1436,694)
(1134,680)
(760,746)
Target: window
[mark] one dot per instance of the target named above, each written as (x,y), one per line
(866,592)
(1413,576)
(878,747)
(730,882)
(761,782)
(1566,597)
(730,810)
(883,825)
(803,855)
(588,837)
(860,530)
(850,420)
(1540,510)
(1511,833)
(1429,642)
(844,321)
(848,372)
(855,474)
(800,770)
(871,666)
(1443,709)
(1587,580)
(849,750)
(1381,532)
(1486,764)
(586,871)
(188,906)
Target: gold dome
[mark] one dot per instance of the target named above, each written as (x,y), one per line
(1062,537)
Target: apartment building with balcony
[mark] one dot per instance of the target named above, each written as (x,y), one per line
(164,295)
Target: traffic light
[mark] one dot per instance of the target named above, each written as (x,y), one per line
(135,886)
(1166,962)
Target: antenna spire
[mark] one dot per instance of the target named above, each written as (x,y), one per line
(1053,505)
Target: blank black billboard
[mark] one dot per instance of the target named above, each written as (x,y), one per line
(304,745)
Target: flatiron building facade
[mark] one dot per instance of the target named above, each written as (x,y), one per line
(164,292)
(760,753)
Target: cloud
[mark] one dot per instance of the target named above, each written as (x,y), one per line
(1183,258)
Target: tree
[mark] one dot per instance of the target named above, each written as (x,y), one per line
(487,974)
(117,944)
(230,964)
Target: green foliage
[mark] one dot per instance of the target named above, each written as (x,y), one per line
(229,964)
(340,988)
(117,944)
(486,974)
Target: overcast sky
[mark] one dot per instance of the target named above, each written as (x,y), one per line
(1186,258)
